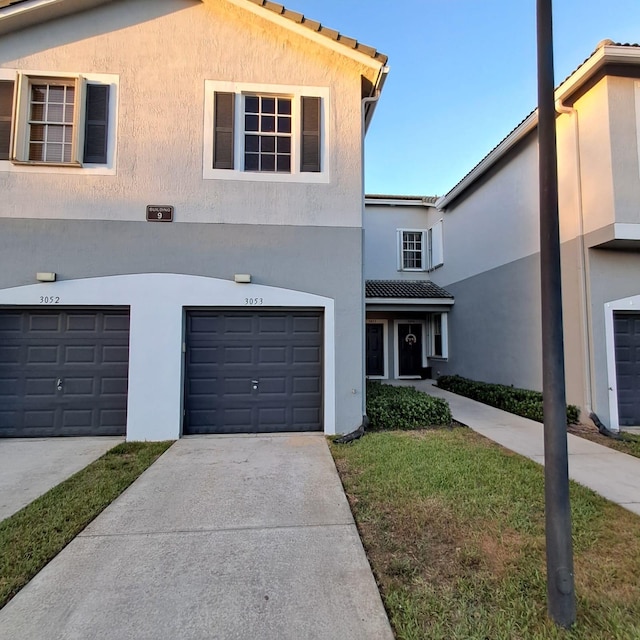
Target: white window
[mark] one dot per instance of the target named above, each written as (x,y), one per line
(265,132)
(57,121)
(420,249)
(439,336)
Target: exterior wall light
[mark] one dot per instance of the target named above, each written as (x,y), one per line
(46,276)
(243,278)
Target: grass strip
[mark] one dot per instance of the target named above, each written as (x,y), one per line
(453,525)
(30,538)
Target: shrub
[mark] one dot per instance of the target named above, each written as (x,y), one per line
(391,407)
(522,402)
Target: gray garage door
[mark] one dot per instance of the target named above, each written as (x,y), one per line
(627,341)
(63,372)
(250,372)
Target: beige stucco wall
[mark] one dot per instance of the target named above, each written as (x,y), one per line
(624,146)
(163,51)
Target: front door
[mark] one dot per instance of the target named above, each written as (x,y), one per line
(375,349)
(409,349)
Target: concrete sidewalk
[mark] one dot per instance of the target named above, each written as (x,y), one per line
(612,474)
(247,537)
(30,467)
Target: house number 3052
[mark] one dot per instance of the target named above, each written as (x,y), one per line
(253,301)
(49,299)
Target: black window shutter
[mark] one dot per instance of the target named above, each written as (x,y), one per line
(310,152)
(6,110)
(96,124)
(224,107)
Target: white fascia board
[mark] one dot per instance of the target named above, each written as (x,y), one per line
(267,14)
(606,54)
(523,129)
(26,14)
(626,231)
(398,202)
(412,301)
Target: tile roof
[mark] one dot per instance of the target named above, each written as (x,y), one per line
(313,25)
(298,18)
(404,289)
(381,196)
(530,119)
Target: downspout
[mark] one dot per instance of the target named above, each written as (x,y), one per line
(584,288)
(366,104)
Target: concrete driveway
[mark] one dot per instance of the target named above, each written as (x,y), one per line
(30,467)
(224,537)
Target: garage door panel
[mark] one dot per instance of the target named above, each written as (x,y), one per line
(81,323)
(306,384)
(9,387)
(281,350)
(237,355)
(306,355)
(306,325)
(269,325)
(43,387)
(115,354)
(113,386)
(238,325)
(70,350)
(272,355)
(44,323)
(202,355)
(39,354)
(86,354)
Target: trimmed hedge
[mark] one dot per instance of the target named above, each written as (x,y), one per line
(522,402)
(391,407)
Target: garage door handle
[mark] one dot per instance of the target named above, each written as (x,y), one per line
(254,384)
(59,384)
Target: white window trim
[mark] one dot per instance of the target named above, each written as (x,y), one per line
(396,349)
(385,347)
(631,303)
(430,237)
(425,256)
(240,88)
(109,168)
(444,335)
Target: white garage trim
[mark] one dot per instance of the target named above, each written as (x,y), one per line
(157,302)
(625,304)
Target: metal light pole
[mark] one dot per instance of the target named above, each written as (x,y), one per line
(561,604)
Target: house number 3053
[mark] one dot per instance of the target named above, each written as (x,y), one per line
(253,301)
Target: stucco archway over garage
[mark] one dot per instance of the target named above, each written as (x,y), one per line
(157,305)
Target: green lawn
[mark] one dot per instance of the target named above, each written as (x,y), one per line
(454,529)
(33,536)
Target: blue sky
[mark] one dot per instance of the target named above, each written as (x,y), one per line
(462,75)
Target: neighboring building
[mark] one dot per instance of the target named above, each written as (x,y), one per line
(406,325)
(184,178)
(491,235)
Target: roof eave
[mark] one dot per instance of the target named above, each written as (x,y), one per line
(606,54)
(438,301)
(398,201)
(368,56)
(26,14)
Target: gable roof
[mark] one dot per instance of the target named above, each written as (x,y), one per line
(607,52)
(34,11)
(404,289)
(317,27)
